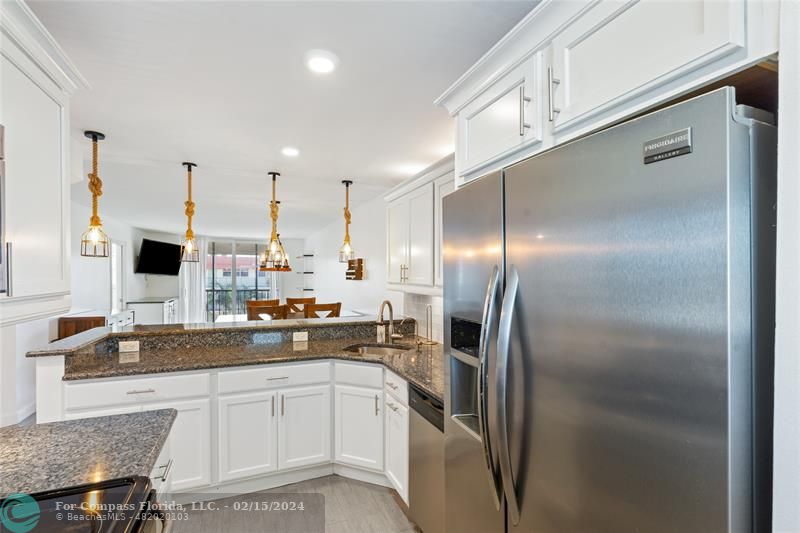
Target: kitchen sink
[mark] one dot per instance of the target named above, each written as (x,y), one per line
(378,349)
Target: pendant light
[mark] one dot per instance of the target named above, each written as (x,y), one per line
(189,251)
(346,251)
(94,241)
(275,259)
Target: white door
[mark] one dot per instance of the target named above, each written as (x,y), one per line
(190,440)
(359,426)
(598,67)
(248,443)
(34,204)
(420,236)
(304,426)
(397,446)
(443,186)
(397,240)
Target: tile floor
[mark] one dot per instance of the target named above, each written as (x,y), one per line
(350,506)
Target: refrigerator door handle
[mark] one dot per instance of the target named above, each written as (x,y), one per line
(489,320)
(501,390)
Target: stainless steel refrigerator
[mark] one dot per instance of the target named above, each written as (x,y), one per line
(609,318)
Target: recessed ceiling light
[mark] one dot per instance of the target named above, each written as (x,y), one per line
(290,151)
(321,61)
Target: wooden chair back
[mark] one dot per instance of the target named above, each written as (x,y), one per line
(296,305)
(277,312)
(331,310)
(251,303)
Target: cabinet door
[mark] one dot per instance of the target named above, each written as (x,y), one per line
(397,446)
(420,236)
(503,119)
(190,440)
(359,426)
(247,435)
(35,202)
(396,240)
(443,186)
(304,426)
(599,68)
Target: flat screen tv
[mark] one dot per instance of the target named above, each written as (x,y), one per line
(157,257)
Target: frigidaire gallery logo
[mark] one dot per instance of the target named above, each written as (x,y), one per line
(19,513)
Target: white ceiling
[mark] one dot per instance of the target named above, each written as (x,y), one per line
(224,84)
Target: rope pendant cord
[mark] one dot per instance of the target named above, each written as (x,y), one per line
(273,209)
(347,216)
(189,205)
(95,186)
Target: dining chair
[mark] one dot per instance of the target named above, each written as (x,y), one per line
(277,312)
(251,303)
(296,305)
(332,310)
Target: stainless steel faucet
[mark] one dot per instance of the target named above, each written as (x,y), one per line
(391,317)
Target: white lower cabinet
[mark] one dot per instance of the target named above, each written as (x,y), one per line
(359,426)
(263,420)
(190,442)
(397,446)
(304,426)
(247,436)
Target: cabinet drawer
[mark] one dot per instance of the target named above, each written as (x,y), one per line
(133,391)
(396,386)
(272,376)
(361,375)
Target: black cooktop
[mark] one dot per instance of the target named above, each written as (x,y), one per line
(105,507)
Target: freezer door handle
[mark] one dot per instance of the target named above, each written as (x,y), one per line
(489,321)
(501,391)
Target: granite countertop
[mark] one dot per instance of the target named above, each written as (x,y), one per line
(74,452)
(152,300)
(76,343)
(424,367)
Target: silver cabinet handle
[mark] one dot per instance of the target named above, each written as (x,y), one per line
(283,405)
(522,99)
(501,392)
(167,468)
(141,391)
(551,105)
(272,406)
(376,405)
(277,378)
(9,272)
(392,385)
(487,326)
(391,406)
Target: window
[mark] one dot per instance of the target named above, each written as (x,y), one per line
(226,294)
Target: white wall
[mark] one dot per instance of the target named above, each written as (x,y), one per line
(91,277)
(159,285)
(289,283)
(368,234)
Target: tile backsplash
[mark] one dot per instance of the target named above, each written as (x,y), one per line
(414,305)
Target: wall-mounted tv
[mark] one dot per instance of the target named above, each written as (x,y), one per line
(156,257)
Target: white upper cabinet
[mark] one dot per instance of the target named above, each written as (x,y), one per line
(504,118)
(413,230)
(420,236)
(588,64)
(36,82)
(616,50)
(442,187)
(397,240)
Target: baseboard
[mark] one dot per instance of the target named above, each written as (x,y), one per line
(234,488)
(376,478)
(25,411)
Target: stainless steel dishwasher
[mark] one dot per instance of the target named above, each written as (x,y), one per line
(426,461)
